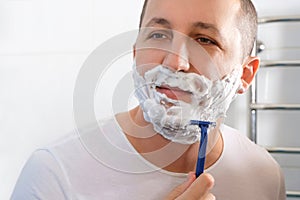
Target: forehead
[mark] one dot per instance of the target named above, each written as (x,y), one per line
(220,13)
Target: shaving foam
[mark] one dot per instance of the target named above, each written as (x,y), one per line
(209,100)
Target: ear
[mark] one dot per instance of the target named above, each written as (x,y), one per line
(250,68)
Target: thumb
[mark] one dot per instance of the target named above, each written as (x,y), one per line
(176,192)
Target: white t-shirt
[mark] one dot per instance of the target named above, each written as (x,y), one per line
(102,164)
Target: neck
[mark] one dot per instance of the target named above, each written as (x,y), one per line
(161,152)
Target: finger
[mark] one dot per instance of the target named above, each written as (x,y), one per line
(176,192)
(200,187)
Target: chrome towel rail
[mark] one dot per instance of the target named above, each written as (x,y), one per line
(293,194)
(279,19)
(290,150)
(280,63)
(260,106)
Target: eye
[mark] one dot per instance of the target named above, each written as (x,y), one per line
(158,36)
(206,41)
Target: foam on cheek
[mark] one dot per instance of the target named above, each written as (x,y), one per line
(171,118)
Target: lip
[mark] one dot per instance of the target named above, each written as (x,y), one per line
(172,92)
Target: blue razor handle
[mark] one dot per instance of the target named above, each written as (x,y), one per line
(203,125)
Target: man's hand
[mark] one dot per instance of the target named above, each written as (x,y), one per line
(194,189)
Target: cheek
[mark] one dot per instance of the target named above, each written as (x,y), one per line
(232,56)
(220,64)
(149,57)
(226,63)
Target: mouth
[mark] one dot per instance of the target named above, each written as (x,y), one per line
(174,92)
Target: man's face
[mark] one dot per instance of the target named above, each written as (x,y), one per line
(197,36)
(187,52)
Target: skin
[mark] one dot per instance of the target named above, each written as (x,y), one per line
(178,44)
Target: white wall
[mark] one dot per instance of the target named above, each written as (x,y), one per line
(43,44)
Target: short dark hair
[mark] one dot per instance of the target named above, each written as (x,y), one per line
(246,22)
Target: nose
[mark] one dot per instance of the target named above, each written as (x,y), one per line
(177,58)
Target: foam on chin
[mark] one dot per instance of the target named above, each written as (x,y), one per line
(171,118)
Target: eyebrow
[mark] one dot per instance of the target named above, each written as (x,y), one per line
(166,23)
(159,21)
(207,26)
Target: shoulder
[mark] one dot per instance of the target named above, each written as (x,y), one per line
(253,157)
(41,178)
(43,175)
(248,167)
(261,167)
(47,171)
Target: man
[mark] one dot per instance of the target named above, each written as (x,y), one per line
(191,58)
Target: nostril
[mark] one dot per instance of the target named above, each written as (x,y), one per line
(183,67)
(176,62)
